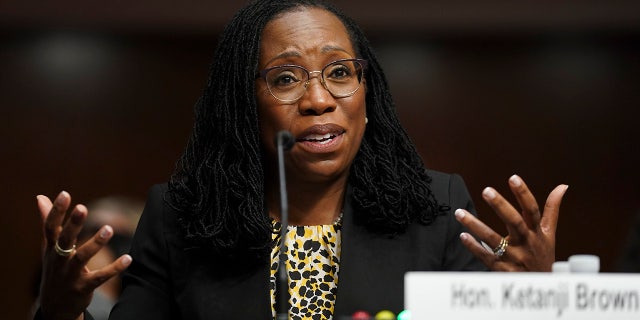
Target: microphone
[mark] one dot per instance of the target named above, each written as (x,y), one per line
(284,142)
(284,139)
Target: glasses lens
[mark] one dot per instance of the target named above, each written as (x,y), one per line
(343,78)
(287,82)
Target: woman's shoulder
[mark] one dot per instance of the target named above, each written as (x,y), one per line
(159,196)
(158,189)
(439,176)
(450,190)
(158,211)
(445,182)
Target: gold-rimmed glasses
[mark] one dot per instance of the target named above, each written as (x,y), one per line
(288,83)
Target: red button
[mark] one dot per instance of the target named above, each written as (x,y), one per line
(360,315)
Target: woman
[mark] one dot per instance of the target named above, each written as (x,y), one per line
(363,209)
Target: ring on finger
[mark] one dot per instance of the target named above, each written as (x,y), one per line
(500,250)
(63,252)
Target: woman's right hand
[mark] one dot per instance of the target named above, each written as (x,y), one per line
(67,284)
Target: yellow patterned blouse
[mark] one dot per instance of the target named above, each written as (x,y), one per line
(312,269)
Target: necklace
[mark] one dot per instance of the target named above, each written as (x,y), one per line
(336,222)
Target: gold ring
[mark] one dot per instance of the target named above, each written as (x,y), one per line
(500,250)
(63,252)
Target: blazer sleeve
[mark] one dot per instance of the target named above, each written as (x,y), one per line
(147,292)
(458,257)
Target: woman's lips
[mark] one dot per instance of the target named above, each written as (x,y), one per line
(321,138)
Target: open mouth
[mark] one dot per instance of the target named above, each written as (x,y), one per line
(320,138)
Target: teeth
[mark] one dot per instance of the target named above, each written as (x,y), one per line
(318,137)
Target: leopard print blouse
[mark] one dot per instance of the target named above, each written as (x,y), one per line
(312,269)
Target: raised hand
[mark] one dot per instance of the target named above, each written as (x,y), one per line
(67,284)
(531,239)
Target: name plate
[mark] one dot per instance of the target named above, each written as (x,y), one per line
(527,295)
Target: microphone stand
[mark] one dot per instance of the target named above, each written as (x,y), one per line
(284,142)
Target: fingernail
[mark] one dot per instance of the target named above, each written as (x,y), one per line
(105,232)
(464,236)
(515,181)
(126,260)
(459,214)
(488,193)
(60,196)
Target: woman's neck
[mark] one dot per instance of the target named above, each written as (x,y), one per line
(310,203)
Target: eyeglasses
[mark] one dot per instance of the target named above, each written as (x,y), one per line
(288,83)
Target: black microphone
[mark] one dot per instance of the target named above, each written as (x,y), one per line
(284,142)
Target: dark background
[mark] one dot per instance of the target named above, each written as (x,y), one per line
(96,99)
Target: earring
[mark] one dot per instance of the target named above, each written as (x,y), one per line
(366,120)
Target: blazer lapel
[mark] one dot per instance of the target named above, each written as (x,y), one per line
(223,289)
(371,265)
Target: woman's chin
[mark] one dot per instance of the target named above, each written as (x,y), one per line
(321,171)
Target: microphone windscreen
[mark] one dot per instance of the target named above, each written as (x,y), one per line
(285,138)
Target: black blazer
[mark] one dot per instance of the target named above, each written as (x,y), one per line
(169,280)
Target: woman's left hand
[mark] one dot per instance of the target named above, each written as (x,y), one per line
(531,240)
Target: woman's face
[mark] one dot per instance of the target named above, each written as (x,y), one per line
(327,130)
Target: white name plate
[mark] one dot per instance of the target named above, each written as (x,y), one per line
(528,295)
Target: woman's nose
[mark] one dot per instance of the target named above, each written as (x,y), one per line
(316,99)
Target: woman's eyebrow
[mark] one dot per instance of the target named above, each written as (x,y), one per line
(297,54)
(329,48)
(286,54)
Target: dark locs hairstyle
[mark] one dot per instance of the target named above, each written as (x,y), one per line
(218,185)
